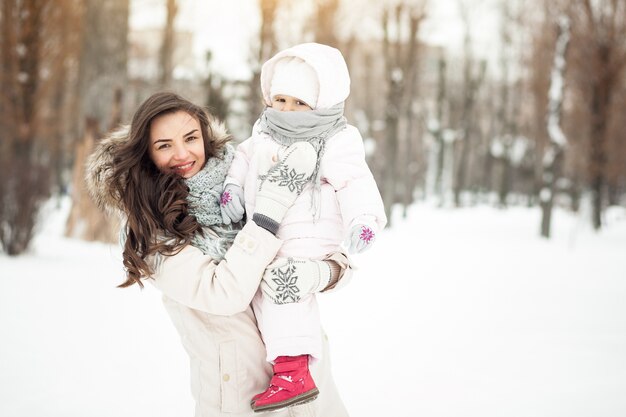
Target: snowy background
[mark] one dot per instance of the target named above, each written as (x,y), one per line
(454,313)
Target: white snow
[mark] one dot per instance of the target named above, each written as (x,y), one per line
(545,194)
(455,313)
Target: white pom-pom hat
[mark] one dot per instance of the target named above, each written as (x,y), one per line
(294,77)
(333,79)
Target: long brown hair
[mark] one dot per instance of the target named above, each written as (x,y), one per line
(158,220)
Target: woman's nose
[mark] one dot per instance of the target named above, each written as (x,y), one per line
(180,152)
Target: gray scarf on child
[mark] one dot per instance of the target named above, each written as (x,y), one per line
(205,190)
(315,127)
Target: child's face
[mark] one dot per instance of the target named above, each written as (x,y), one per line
(282,102)
(176,144)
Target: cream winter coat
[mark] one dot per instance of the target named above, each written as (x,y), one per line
(209,304)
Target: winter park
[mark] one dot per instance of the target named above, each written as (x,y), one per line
(496,135)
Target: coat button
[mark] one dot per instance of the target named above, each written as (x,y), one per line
(226,377)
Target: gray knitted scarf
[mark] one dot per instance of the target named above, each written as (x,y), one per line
(315,127)
(205,190)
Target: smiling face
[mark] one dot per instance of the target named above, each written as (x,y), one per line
(176,144)
(283,102)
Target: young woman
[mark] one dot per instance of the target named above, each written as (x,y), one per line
(171,160)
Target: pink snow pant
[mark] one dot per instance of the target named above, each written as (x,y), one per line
(289,329)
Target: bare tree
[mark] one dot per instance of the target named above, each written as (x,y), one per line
(538,58)
(104,54)
(617,155)
(325,24)
(436,128)
(400,56)
(601,62)
(509,102)
(167,45)
(85,220)
(57,96)
(216,102)
(553,156)
(266,49)
(411,138)
(506,124)
(102,78)
(472,81)
(24,156)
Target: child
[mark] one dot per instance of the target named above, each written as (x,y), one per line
(304,88)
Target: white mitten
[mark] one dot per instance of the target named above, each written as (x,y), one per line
(286,280)
(282,183)
(360,238)
(232,204)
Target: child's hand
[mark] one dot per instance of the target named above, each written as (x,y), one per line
(286,280)
(280,184)
(360,239)
(232,204)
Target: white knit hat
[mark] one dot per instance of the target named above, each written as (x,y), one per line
(294,77)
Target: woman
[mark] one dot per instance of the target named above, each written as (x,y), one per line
(146,173)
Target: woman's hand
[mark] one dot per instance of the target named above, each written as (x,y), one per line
(286,280)
(282,183)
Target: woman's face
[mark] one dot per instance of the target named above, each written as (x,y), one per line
(176,144)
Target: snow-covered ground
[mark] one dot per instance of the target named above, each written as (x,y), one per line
(455,313)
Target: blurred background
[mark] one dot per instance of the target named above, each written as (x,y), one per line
(503,102)
(495,129)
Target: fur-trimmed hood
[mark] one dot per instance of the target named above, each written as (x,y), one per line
(99,166)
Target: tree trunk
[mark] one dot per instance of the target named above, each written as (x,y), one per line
(439,140)
(400,66)
(102,78)
(472,85)
(506,178)
(166,54)
(409,160)
(24,182)
(603,62)
(598,155)
(325,22)
(267,48)
(391,152)
(85,220)
(103,60)
(554,155)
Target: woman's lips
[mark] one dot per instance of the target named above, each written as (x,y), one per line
(183,168)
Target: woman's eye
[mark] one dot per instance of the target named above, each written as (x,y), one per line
(191,138)
(163,146)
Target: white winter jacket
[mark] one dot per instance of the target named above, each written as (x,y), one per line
(349,194)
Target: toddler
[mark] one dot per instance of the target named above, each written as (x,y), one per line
(304,89)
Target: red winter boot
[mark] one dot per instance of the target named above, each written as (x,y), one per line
(291,385)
